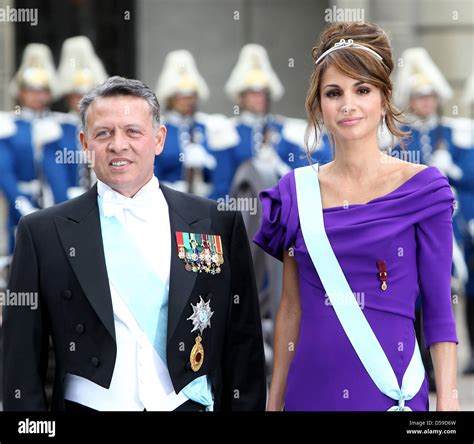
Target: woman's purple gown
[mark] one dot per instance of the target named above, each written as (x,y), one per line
(411,230)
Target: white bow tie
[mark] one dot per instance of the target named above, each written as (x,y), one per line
(114,204)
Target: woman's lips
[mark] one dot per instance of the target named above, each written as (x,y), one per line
(349,121)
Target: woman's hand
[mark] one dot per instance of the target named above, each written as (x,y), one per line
(287,327)
(274,406)
(448,403)
(444,363)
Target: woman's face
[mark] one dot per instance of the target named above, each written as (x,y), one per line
(351,109)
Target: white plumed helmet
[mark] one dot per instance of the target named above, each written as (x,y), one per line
(80,69)
(180,76)
(419,75)
(36,70)
(253,71)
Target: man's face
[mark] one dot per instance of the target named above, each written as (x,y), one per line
(73,101)
(35,99)
(123,142)
(424,106)
(254,101)
(184,105)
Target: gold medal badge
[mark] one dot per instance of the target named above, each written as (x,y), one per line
(196,357)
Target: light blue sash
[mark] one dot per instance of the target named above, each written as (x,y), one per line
(145,294)
(138,285)
(342,299)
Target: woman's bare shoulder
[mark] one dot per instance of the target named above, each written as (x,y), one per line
(402,169)
(408,169)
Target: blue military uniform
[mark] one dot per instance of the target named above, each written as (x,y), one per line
(75,172)
(425,137)
(186,159)
(31,174)
(462,153)
(181,130)
(253,132)
(80,70)
(30,177)
(275,140)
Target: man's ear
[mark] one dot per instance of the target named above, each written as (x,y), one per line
(85,148)
(160,137)
(83,140)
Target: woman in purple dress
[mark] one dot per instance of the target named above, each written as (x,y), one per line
(389,223)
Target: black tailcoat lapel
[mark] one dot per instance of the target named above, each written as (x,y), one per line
(187,217)
(81,237)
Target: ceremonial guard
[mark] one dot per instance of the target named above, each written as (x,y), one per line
(29,175)
(420,90)
(79,71)
(7,129)
(462,153)
(278,141)
(188,160)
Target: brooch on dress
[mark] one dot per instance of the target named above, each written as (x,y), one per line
(382,267)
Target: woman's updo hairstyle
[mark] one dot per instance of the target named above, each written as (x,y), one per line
(356,63)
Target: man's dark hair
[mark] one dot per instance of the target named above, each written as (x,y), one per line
(120,86)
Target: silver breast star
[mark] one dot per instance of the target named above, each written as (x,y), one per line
(201,316)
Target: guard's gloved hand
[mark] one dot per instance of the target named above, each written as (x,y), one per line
(272,160)
(442,160)
(24,206)
(196,156)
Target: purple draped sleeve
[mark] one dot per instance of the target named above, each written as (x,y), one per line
(434,239)
(279,218)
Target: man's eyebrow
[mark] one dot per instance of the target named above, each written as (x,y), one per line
(333,85)
(103,126)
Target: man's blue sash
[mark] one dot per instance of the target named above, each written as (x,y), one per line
(138,285)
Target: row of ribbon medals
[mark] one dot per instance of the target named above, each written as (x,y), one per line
(200,252)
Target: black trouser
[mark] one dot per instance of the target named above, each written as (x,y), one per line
(188,406)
